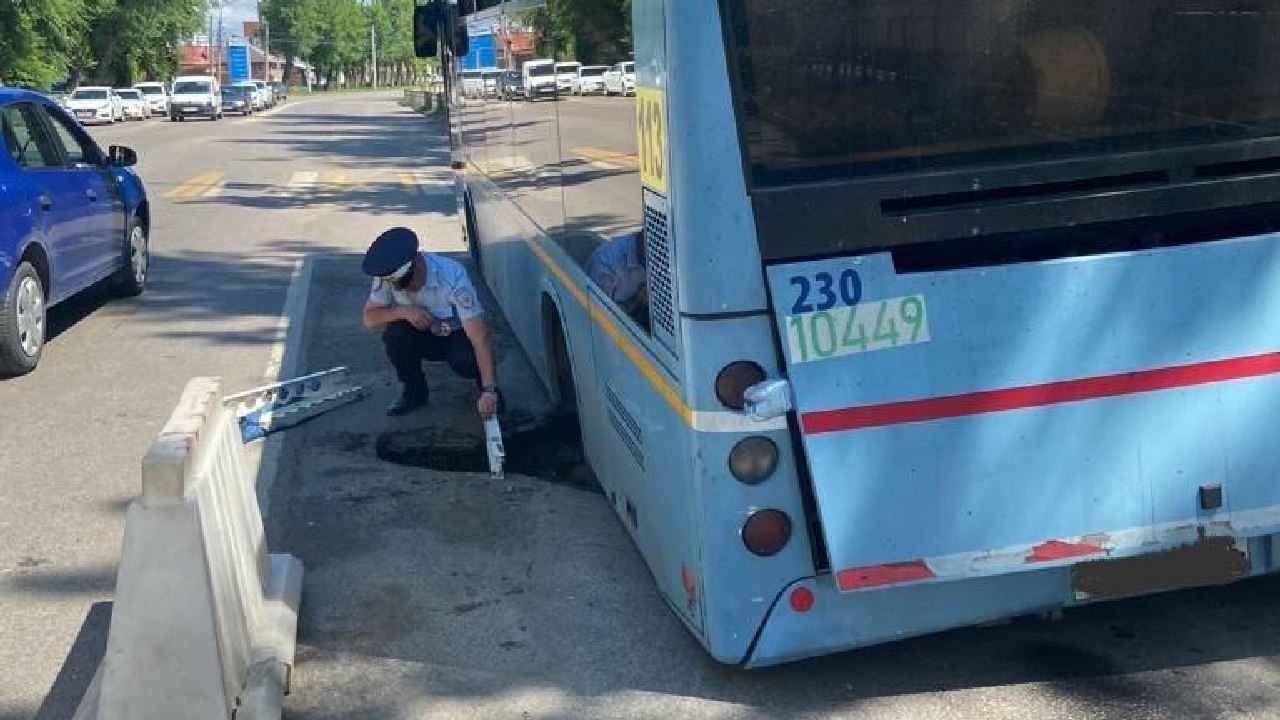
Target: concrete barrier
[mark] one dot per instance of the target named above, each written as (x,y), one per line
(205,620)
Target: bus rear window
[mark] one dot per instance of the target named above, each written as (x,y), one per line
(855,87)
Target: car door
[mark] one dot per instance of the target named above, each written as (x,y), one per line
(56,197)
(104,205)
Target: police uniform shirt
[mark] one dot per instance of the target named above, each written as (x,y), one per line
(447,292)
(615,266)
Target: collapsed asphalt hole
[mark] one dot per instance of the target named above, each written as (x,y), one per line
(550,450)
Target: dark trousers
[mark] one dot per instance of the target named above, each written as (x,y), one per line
(408,346)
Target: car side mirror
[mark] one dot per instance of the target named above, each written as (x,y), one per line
(426,24)
(121,156)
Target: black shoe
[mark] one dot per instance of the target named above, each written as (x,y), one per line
(407,403)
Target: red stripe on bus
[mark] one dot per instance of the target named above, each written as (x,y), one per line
(888,574)
(1063,391)
(1060,550)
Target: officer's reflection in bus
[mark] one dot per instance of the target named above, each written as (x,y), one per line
(618,268)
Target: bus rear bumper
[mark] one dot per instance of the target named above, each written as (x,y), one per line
(812,617)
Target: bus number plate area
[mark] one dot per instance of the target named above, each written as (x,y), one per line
(868,326)
(1208,561)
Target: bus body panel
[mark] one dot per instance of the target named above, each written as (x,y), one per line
(1039,412)
(706,171)
(738,586)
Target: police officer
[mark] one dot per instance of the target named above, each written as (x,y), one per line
(428,310)
(618,267)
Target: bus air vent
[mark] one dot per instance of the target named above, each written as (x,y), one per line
(658,257)
(973,199)
(1256,166)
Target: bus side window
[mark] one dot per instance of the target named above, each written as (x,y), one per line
(529,171)
(600,173)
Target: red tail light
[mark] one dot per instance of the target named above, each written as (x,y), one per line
(733,380)
(766,532)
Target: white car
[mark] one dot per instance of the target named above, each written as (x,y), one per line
(256,95)
(156,95)
(95,104)
(566,73)
(590,79)
(132,104)
(196,96)
(268,92)
(539,78)
(620,79)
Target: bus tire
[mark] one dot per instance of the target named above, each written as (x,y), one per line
(472,232)
(561,370)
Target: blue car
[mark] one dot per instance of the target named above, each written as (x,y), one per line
(70,216)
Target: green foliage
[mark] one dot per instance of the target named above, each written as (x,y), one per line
(120,42)
(592,32)
(111,41)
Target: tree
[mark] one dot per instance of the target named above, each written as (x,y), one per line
(589,31)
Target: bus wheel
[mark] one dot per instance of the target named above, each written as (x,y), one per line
(561,366)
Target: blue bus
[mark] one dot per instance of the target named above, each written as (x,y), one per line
(888,317)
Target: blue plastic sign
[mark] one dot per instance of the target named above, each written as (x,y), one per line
(238,62)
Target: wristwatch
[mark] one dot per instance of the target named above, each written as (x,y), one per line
(489,389)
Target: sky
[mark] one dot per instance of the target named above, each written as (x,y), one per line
(235,12)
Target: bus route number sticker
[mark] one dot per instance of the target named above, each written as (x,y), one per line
(866,327)
(651,127)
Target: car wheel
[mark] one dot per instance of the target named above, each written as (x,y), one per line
(22,322)
(131,279)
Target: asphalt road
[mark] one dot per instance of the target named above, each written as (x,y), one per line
(236,203)
(441,594)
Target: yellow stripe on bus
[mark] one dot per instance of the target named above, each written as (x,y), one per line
(624,344)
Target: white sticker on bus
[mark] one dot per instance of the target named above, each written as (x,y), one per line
(866,327)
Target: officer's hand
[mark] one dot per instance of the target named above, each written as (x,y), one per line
(488,404)
(416,316)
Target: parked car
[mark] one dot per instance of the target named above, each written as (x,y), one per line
(196,96)
(566,73)
(257,98)
(157,96)
(281,91)
(70,217)
(490,79)
(237,99)
(511,86)
(590,79)
(539,78)
(268,95)
(132,104)
(620,79)
(95,104)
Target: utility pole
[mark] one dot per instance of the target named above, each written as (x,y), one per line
(373,52)
(266,49)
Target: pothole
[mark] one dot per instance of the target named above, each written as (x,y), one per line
(550,451)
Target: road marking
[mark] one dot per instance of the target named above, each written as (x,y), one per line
(423,185)
(197,185)
(607,158)
(215,190)
(335,177)
(303,179)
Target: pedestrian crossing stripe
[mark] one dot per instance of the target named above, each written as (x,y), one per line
(196,186)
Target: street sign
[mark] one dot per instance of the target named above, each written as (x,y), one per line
(238,62)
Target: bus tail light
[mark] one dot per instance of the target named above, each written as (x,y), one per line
(734,379)
(753,459)
(766,532)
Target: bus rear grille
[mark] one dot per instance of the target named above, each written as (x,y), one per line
(658,258)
